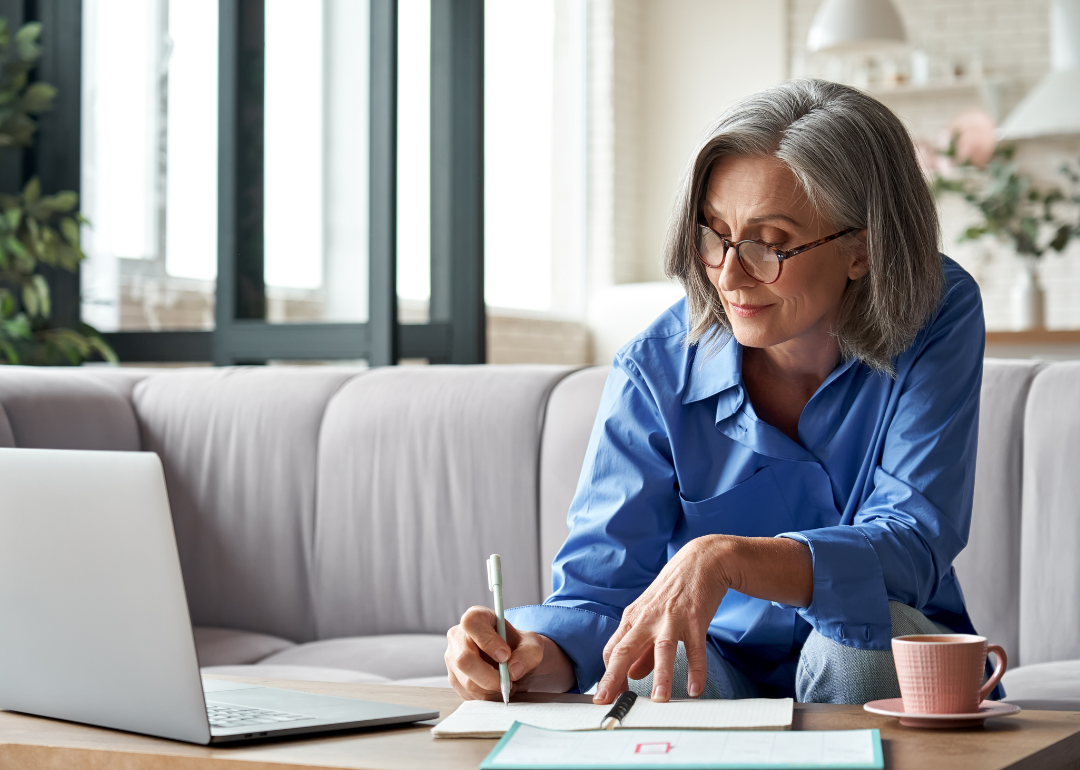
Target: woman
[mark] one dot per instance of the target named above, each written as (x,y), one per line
(782,467)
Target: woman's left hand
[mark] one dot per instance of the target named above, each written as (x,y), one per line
(677,607)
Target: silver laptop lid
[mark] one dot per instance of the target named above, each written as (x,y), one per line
(94,623)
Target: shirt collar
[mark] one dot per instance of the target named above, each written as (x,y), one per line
(715,366)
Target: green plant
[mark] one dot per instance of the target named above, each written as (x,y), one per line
(35,229)
(1014,208)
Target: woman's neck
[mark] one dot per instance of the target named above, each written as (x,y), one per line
(782,378)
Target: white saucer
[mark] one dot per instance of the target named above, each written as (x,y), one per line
(894,707)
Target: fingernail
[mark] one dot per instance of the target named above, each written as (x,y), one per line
(693,689)
(601,694)
(516,670)
(502,656)
(660,693)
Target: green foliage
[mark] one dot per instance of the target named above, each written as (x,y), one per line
(35,229)
(1014,209)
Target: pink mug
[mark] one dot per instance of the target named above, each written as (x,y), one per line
(942,673)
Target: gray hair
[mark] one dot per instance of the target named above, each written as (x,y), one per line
(856,163)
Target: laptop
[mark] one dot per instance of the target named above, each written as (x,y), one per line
(94,623)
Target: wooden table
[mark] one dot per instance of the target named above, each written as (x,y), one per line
(1032,739)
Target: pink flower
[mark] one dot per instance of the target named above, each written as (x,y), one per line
(975,137)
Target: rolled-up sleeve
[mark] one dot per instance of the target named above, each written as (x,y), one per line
(901,541)
(621,522)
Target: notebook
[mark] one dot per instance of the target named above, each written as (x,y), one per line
(490,719)
(532,748)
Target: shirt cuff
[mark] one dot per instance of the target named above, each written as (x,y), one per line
(580,633)
(850,604)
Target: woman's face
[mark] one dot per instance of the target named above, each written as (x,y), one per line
(758,198)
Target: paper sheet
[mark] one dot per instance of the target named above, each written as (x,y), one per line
(530,747)
(751,713)
(488,718)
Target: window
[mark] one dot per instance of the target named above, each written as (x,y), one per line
(240,163)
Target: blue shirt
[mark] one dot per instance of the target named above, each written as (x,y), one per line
(879,486)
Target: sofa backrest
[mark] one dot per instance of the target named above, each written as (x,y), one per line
(1050,533)
(239,447)
(424,472)
(64,409)
(989,568)
(571,413)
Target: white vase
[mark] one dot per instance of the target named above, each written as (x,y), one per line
(1028,298)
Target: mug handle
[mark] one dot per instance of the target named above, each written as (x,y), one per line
(999,670)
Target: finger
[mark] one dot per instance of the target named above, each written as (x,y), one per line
(528,652)
(664,653)
(479,624)
(618,636)
(622,656)
(698,663)
(643,666)
(466,663)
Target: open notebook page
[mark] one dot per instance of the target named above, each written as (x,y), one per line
(486,719)
(748,714)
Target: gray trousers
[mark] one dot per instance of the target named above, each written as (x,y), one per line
(828,672)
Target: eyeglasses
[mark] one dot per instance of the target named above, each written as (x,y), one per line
(759,260)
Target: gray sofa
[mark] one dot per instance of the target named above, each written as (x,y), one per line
(333,522)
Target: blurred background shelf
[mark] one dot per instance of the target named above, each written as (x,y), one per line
(1051,344)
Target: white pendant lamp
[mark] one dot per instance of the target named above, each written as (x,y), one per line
(848,26)
(1053,106)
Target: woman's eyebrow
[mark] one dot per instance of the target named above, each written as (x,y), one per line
(771,217)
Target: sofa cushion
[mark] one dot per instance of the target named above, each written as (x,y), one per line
(989,568)
(393,656)
(227,647)
(568,424)
(1047,683)
(239,450)
(424,472)
(297,673)
(64,409)
(1050,532)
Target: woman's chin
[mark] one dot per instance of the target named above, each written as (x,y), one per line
(752,335)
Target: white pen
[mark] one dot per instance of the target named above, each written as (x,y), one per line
(494,568)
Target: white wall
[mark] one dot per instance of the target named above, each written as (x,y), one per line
(698,56)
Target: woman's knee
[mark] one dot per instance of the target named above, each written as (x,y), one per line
(830,672)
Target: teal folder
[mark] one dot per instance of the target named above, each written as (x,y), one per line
(524,747)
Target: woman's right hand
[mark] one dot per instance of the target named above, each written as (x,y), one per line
(474,650)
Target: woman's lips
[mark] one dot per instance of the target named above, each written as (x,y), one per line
(746,311)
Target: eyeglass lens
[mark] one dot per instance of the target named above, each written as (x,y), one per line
(759,262)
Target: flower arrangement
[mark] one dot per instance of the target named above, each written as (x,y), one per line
(1013,208)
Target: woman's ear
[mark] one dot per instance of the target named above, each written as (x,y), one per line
(859,255)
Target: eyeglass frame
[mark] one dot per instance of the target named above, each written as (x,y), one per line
(781,256)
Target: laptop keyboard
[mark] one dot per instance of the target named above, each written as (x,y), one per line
(227,715)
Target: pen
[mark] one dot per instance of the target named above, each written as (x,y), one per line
(494,567)
(619,709)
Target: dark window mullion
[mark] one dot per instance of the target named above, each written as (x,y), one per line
(383,333)
(457,175)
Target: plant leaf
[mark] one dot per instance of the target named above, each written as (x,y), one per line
(26,47)
(44,297)
(32,191)
(30,300)
(38,98)
(70,231)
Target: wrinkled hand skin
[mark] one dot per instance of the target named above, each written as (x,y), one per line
(678,606)
(474,650)
(684,597)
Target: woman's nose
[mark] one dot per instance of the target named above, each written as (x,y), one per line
(732,275)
